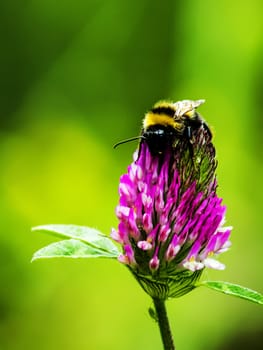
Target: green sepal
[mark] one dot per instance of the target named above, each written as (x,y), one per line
(234,290)
(165,286)
(81,242)
(71,248)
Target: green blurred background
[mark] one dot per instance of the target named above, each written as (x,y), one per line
(76,77)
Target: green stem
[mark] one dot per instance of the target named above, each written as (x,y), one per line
(164,326)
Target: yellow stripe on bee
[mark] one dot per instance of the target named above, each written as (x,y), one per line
(190,114)
(167,104)
(160,119)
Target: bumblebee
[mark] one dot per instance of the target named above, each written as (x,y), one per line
(167,123)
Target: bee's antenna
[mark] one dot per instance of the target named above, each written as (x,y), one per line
(128,140)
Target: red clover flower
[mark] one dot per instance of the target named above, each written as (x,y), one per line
(171,221)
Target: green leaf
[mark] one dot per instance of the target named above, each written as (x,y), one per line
(234,290)
(71,248)
(88,235)
(153,314)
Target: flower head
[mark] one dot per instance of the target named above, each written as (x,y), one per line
(170,217)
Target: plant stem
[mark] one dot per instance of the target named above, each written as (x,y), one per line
(164,326)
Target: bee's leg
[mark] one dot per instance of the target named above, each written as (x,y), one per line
(189,133)
(189,136)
